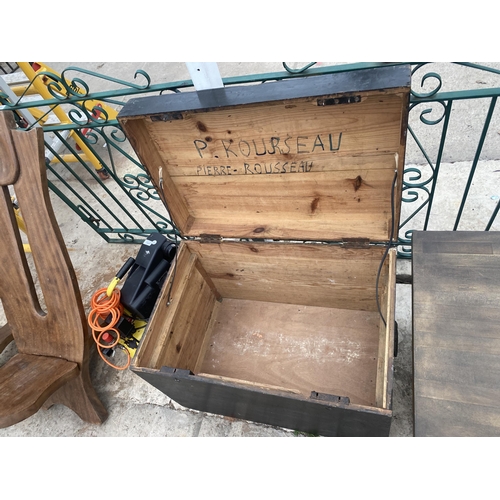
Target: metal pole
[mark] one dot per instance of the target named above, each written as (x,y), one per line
(205,75)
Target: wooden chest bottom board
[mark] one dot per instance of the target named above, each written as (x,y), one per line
(279,333)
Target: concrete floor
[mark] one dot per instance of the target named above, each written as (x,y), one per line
(135,407)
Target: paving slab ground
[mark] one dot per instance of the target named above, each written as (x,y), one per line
(138,409)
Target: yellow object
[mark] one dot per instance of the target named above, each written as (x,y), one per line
(20,224)
(140,326)
(112,286)
(40,86)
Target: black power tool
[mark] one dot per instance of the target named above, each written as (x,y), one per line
(147,275)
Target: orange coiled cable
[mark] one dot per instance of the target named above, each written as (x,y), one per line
(101,307)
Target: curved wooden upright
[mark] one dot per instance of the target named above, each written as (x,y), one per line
(52,364)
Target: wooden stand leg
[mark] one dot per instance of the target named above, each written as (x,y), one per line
(80,396)
(5,337)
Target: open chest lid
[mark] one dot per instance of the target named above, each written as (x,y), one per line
(310,158)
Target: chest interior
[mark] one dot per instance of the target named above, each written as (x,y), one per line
(298,318)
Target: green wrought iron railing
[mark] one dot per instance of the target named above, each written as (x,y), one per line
(128,208)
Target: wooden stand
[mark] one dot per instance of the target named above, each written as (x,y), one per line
(52,364)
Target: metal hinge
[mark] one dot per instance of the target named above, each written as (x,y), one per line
(210,238)
(356,242)
(331,398)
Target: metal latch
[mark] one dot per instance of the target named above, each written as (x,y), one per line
(167,117)
(210,238)
(356,242)
(339,100)
(330,398)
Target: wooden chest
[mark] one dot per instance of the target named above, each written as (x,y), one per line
(286,195)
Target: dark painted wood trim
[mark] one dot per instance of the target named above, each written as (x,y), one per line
(285,410)
(313,86)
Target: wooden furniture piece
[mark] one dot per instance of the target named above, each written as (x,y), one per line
(456,333)
(252,323)
(52,363)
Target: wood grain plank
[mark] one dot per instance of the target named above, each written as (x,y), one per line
(385,360)
(450,238)
(316,204)
(457,392)
(437,418)
(312,254)
(26,381)
(289,293)
(461,339)
(156,332)
(320,272)
(293,164)
(302,348)
(208,280)
(321,275)
(372,185)
(456,337)
(207,336)
(458,367)
(290,229)
(265,387)
(148,155)
(371,125)
(186,332)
